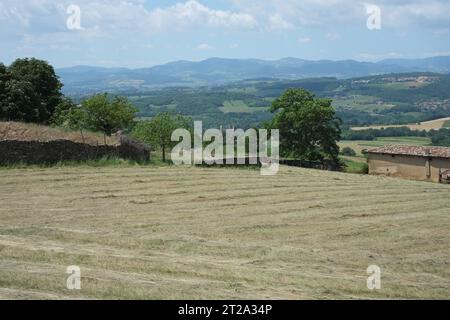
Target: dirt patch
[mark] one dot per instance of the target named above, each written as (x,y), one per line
(33,132)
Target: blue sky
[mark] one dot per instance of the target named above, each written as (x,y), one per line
(140,33)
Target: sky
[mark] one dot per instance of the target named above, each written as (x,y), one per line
(143,33)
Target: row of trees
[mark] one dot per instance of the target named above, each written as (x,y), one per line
(30,91)
(309,128)
(372,134)
(99,113)
(439,137)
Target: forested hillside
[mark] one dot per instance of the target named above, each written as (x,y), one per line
(385,99)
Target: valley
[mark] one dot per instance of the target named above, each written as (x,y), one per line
(397,99)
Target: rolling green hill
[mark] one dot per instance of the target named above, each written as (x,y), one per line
(219,71)
(387,99)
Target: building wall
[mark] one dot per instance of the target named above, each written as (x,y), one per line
(437,166)
(409,167)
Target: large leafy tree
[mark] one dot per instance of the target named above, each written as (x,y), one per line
(158,130)
(309,128)
(20,102)
(41,81)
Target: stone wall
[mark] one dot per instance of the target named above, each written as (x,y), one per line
(325,165)
(36,152)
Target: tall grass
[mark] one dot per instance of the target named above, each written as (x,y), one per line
(355,167)
(103,162)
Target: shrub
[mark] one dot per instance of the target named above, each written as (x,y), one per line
(347,151)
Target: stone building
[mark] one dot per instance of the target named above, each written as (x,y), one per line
(411,162)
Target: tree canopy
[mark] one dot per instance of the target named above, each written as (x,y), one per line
(98,113)
(158,130)
(29,91)
(108,115)
(309,128)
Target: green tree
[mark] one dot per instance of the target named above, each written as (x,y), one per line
(77,120)
(441,137)
(41,79)
(108,115)
(70,116)
(59,117)
(158,130)
(19,101)
(309,128)
(4,77)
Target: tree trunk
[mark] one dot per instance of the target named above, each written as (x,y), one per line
(104,138)
(164,153)
(82,136)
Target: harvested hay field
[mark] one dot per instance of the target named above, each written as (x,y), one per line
(210,233)
(426,125)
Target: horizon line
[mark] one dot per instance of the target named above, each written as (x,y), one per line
(256,59)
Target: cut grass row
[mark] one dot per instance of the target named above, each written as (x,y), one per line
(197,233)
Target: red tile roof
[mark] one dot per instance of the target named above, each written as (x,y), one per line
(435,152)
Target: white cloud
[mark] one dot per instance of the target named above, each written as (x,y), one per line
(334,36)
(277,22)
(204,46)
(304,40)
(39,26)
(44,16)
(437,54)
(443,32)
(193,13)
(32,26)
(115,16)
(333,13)
(430,13)
(120,15)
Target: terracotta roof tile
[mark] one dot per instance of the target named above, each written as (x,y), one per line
(435,152)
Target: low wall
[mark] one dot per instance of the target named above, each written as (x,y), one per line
(36,152)
(326,165)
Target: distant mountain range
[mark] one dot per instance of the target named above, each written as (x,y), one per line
(218,71)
